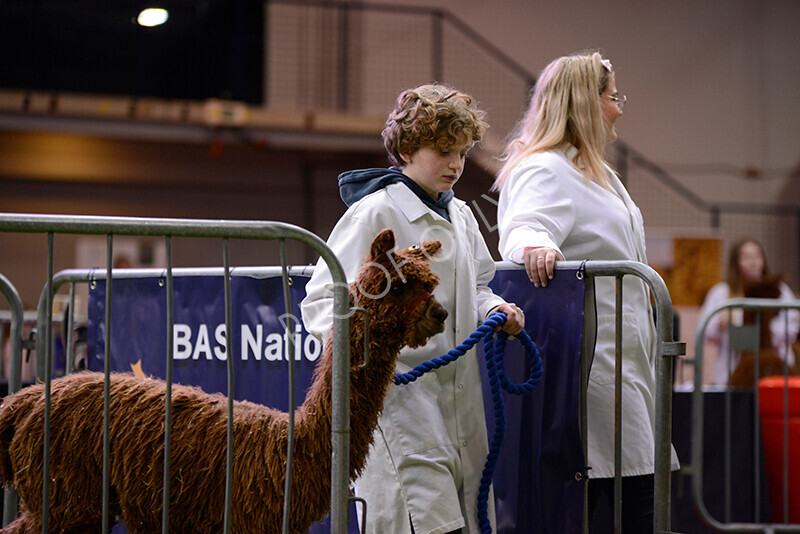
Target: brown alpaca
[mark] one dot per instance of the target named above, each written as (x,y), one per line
(769,361)
(405,314)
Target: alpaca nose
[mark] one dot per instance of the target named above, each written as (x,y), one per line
(436,311)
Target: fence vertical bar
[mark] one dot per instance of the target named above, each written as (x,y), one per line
(728,422)
(48,371)
(587,351)
(2,332)
(229,360)
(340,398)
(756,435)
(668,349)
(785,489)
(289,326)
(14,372)
(168,396)
(107,385)
(15,334)
(70,341)
(618,409)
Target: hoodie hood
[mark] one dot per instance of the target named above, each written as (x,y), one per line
(355,185)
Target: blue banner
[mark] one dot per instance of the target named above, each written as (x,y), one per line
(534,481)
(535,485)
(139,334)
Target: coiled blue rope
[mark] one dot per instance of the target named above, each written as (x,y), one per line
(494,352)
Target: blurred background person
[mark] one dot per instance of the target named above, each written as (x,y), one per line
(747,266)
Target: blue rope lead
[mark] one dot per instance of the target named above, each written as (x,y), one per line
(494,351)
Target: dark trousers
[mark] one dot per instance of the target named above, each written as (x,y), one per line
(637,505)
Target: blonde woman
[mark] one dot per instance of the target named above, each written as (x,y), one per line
(560,200)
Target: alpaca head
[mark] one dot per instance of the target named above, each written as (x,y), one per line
(396,286)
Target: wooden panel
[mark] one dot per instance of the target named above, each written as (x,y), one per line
(696,266)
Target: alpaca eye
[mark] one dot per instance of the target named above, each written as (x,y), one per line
(398,290)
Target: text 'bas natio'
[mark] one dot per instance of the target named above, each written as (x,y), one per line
(205,342)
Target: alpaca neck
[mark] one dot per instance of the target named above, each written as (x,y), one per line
(368,388)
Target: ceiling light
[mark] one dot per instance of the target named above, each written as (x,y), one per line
(152,16)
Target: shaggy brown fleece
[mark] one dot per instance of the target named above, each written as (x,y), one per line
(769,361)
(403,316)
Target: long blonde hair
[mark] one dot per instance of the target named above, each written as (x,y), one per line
(564,111)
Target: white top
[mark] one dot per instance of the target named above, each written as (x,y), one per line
(547,202)
(431,443)
(726,359)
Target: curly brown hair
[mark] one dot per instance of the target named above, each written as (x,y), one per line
(432,115)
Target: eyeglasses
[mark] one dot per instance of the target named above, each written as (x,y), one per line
(619,100)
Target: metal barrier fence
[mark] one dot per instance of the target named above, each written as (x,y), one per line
(8,319)
(748,340)
(14,360)
(169,228)
(16,321)
(667,348)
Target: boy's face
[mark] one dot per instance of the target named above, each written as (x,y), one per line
(436,172)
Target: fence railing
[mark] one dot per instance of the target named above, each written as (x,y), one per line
(169,228)
(667,347)
(17,319)
(725,523)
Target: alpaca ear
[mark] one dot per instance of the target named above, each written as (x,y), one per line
(381,245)
(431,248)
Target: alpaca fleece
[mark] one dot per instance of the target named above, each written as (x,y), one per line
(399,278)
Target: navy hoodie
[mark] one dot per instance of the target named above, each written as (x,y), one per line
(355,185)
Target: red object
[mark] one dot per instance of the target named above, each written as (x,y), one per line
(771,404)
(215,149)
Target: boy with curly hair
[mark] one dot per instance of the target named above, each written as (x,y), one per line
(424,469)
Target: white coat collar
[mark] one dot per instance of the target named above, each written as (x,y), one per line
(413,208)
(635,216)
(569,153)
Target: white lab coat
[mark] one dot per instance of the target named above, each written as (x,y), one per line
(547,202)
(726,360)
(431,443)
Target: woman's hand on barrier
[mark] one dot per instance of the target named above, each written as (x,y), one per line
(540,264)
(515,318)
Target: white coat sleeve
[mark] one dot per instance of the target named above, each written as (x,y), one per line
(486,298)
(535,210)
(349,241)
